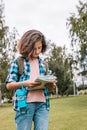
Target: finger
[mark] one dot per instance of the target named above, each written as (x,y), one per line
(35,82)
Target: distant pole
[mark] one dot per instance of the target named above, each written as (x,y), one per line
(74,89)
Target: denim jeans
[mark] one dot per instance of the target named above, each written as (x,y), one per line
(36,112)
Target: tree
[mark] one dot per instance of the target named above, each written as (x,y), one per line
(7,48)
(58,63)
(77,24)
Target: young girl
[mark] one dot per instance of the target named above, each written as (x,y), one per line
(33,105)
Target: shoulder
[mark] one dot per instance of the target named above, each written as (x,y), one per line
(43,66)
(41,60)
(13,68)
(13,62)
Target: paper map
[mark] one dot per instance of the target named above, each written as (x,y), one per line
(43,79)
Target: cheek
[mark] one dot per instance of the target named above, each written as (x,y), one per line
(40,50)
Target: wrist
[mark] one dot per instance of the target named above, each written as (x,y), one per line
(21,83)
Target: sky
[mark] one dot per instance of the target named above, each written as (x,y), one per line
(48,16)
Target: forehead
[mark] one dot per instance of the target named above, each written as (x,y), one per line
(38,43)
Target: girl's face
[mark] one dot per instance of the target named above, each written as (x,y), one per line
(37,49)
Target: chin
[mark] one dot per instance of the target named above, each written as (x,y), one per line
(35,56)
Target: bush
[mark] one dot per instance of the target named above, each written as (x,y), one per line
(82,92)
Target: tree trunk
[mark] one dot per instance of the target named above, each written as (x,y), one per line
(56,91)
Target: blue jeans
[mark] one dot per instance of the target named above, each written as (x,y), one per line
(36,112)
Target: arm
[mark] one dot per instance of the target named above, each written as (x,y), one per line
(51,86)
(16,85)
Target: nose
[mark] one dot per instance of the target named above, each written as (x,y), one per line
(37,51)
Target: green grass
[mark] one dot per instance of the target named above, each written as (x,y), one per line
(67,113)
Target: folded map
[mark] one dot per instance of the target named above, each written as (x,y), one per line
(44,79)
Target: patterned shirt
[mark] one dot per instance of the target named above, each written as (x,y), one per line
(13,77)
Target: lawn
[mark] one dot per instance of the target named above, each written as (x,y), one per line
(66,113)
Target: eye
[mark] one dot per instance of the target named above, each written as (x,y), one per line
(40,47)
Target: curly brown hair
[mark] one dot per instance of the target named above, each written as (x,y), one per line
(28,40)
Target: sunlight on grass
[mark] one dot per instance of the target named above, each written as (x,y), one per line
(7,117)
(69,113)
(66,113)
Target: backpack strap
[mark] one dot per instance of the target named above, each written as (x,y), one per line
(46,64)
(20,61)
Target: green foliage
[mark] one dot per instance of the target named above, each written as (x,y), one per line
(83,92)
(77,24)
(7,48)
(60,65)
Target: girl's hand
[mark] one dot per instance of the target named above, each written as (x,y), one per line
(30,84)
(51,86)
